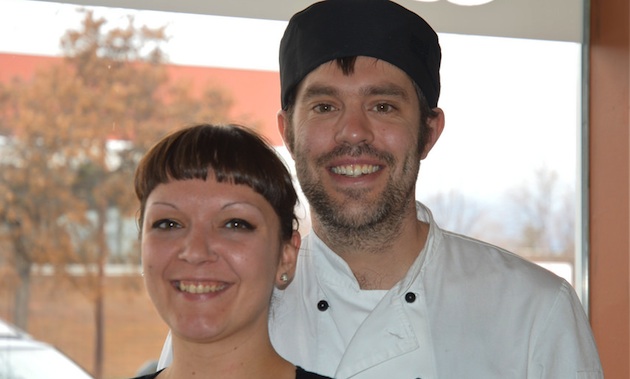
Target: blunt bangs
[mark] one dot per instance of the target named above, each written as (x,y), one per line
(232,153)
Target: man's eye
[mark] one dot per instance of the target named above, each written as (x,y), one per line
(383,108)
(166,224)
(323,108)
(239,224)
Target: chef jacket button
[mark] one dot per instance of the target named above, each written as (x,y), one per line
(322,305)
(410,297)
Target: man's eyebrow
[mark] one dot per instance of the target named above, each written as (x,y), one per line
(389,89)
(316,90)
(386,90)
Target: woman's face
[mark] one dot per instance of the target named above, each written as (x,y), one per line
(211,255)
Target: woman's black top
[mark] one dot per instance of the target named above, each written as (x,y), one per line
(300,373)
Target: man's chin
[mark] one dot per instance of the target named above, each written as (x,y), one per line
(347,218)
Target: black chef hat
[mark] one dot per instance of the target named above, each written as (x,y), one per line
(375,28)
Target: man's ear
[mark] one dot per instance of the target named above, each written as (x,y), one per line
(435,126)
(283,128)
(288,261)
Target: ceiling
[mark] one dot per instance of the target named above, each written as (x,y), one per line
(559,20)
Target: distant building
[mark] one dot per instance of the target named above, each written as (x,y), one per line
(255,94)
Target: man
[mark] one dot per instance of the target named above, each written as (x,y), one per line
(381,291)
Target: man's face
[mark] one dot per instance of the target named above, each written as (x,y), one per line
(355,142)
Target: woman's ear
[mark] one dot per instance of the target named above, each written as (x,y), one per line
(436,126)
(288,261)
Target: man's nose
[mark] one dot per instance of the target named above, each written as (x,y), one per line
(354,127)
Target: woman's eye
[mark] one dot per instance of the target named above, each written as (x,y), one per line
(239,224)
(165,224)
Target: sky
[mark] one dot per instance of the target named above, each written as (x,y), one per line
(511,105)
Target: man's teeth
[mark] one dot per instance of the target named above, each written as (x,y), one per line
(355,170)
(201,288)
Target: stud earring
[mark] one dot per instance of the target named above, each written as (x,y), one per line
(284,278)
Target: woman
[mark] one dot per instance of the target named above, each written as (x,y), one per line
(218,233)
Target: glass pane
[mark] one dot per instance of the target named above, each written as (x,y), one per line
(504,170)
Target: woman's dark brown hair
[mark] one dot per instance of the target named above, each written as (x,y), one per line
(232,153)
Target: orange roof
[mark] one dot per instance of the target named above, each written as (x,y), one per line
(255,94)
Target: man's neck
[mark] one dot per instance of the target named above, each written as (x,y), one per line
(379,260)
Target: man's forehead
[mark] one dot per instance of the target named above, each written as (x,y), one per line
(330,74)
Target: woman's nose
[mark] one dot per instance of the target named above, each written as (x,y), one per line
(198,248)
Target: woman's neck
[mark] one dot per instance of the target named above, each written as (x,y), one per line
(254,357)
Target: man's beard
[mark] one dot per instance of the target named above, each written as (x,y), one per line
(371,225)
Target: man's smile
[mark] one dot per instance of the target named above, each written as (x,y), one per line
(354,171)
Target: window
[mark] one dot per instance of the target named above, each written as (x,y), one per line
(505,169)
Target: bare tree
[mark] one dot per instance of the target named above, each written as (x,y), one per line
(545,214)
(58,181)
(455,212)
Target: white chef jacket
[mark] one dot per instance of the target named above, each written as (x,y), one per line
(465,309)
